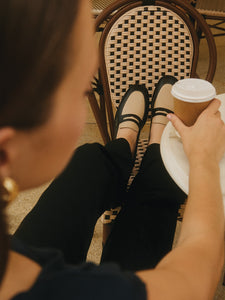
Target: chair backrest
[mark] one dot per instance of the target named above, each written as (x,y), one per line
(143,40)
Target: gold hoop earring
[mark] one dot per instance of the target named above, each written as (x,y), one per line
(10,189)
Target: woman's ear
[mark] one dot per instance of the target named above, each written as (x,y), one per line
(6,137)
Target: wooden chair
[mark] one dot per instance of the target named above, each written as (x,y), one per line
(99,5)
(140,41)
(213,10)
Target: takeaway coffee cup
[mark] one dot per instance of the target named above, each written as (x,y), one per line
(191,97)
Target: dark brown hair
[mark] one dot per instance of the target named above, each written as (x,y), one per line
(34,39)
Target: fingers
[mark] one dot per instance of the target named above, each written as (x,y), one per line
(218,114)
(212,109)
(213,106)
(177,123)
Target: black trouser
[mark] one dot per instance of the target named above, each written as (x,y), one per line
(94,181)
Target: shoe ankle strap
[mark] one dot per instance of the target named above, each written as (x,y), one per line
(130,117)
(161,110)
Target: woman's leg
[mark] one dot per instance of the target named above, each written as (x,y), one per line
(66,213)
(95,180)
(144,230)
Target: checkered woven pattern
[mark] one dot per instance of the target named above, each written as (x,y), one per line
(144,44)
(142,145)
(110,215)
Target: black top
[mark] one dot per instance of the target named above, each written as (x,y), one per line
(86,281)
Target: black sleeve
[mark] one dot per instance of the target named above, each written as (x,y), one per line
(90,282)
(58,281)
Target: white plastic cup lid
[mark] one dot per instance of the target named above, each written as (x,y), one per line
(193,90)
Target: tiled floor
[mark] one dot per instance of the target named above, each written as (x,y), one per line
(27,199)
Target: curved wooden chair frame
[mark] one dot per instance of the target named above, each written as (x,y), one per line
(131,54)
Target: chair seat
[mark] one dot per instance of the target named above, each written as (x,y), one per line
(215,8)
(99,5)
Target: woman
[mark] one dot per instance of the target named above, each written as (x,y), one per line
(47,59)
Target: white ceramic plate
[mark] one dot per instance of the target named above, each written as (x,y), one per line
(175,159)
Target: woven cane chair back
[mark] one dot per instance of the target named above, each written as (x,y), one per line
(144,44)
(141,42)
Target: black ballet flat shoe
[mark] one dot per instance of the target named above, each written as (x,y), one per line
(162,100)
(133,110)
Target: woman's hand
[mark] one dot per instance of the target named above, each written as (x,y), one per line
(201,239)
(205,140)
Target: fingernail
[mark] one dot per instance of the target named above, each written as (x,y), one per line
(169,116)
